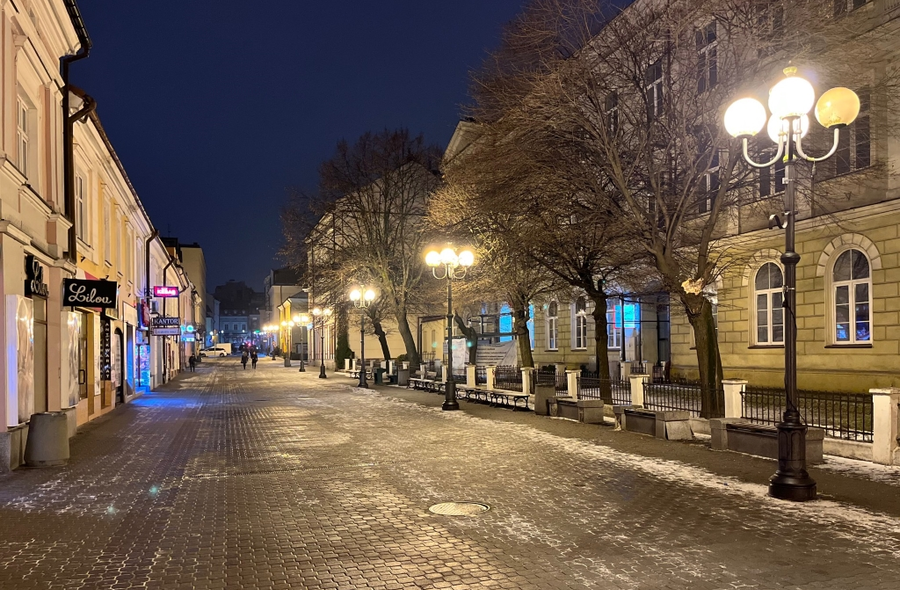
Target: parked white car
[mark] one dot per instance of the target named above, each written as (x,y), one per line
(214,351)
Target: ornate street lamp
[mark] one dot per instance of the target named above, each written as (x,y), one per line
(789,101)
(454,267)
(302,320)
(362,298)
(320,316)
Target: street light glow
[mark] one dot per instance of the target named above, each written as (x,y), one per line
(745,117)
(791,97)
(433,258)
(838,106)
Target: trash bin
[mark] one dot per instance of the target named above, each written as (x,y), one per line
(403,377)
(48,440)
(379,376)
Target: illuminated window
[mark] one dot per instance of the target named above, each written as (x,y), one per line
(579,327)
(851,284)
(552,319)
(768,296)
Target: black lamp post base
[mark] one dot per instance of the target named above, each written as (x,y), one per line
(363,384)
(791,481)
(322,371)
(450,403)
(302,367)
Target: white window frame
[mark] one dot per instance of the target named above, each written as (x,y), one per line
(707,56)
(80,209)
(22,119)
(107,246)
(653,89)
(553,326)
(613,329)
(579,325)
(851,292)
(710,185)
(754,307)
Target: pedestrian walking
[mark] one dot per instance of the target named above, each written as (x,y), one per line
(192,362)
(254,358)
(244,358)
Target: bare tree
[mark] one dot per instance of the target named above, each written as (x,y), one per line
(369,223)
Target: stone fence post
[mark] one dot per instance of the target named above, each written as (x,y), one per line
(528,380)
(624,370)
(572,382)
(470,375)
(637,390)
(734,388)
(491,378)
(885,425)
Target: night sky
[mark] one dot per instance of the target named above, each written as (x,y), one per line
(218,107)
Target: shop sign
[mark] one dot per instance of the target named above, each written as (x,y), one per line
(85,293)
(165,291)
(165,326)
(188,338)
(34,278)
(105,350)
(144,314)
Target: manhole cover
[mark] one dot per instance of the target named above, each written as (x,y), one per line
(459,508)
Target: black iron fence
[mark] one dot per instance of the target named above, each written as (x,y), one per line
(687,397)
(506,377)
(591,387)
(459,376)
(846,416)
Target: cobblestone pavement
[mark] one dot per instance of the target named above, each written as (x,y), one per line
(276,479)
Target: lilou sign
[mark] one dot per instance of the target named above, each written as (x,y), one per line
(83,293)
(165,291)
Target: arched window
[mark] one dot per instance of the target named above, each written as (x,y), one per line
(851,284)
(769,296)
(579,324)
(552,318)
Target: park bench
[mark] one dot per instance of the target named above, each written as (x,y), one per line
(734,434)
(495,397)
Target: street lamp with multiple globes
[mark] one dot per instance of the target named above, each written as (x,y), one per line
(302,320)
(362,298)
(320,316)
(789,101)
(454,267)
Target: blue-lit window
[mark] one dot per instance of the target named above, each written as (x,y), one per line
(531,325)
(506,322)
(852,287)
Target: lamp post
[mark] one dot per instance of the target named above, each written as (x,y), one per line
(320,317)
(362,298)
(454,267)
(789,101)
(301,320)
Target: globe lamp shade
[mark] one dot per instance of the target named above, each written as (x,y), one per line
(327,311)
(466,258)
(778,128)
(317,311)
(837,107)
(433,258)
(745,117)
(791,97)
(448,256)
(355,295)
(369,295)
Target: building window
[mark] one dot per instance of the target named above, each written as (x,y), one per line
(579,328)
(80,211)
(22,136)
(613,324)
(851,289)
(709,185)
(707,62)
(653,86)
(107,247)
(768,297)
(552,320)
(771,179)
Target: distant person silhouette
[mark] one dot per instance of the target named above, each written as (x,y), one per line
(244,358)
(254,358)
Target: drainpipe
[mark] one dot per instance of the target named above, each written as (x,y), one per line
(166,300)
(69,120)
(152,237)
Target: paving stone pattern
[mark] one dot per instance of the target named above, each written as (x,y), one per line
(272,478)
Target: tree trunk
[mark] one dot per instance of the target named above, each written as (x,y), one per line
(408,340)
(601,345)
(471,335)
(382,338)
(342,346)
(520,327)
(708,359)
